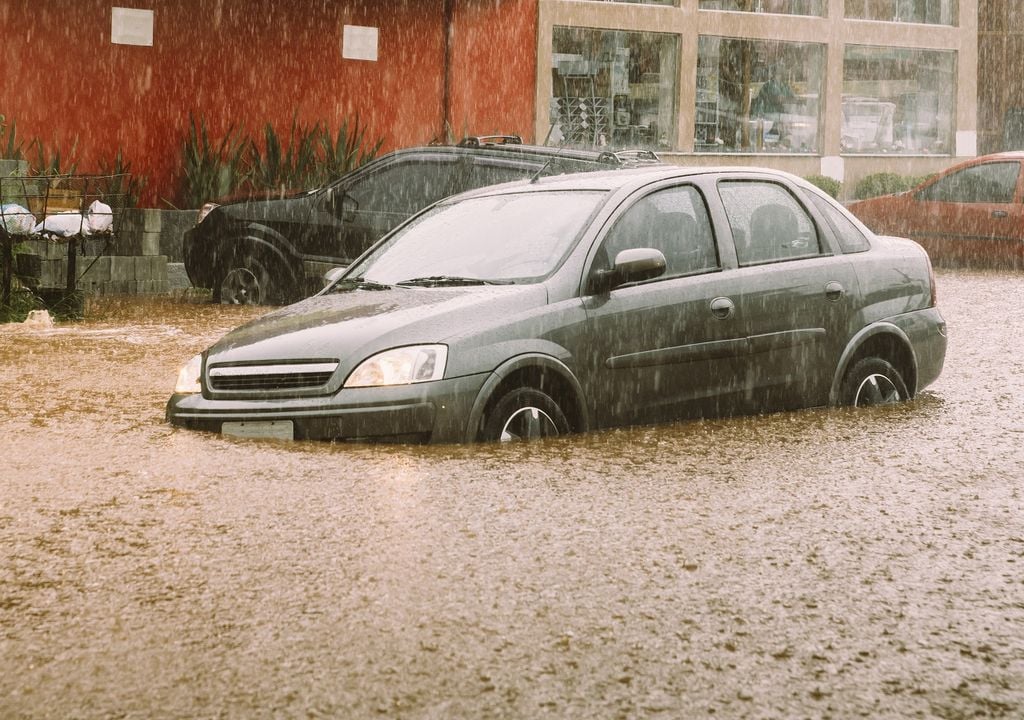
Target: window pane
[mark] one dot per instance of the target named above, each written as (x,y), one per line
(784,7)
(988,183)
(758,95)
(613,88)
(932,12)
(851,239)
(898,100)
(642,2)
(404,187)
(767,222)
(673,221)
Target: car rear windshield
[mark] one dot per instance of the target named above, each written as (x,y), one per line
(518,237)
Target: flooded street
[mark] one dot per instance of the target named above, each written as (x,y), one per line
(824,563)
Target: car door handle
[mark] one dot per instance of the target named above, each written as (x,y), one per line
(834,291)
(998,213)
(722,308)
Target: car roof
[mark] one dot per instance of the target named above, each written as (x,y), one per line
(513,146)
(625,179)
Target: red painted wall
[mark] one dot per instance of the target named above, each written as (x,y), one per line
(494,61)
(234,62)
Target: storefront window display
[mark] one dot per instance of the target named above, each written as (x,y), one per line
(897,100)
(931,12)
(644,2)
(613,88)
(758,96)
(782,7)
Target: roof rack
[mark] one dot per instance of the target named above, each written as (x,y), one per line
(637,156)
(475,141)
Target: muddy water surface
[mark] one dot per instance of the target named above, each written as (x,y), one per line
(812,564)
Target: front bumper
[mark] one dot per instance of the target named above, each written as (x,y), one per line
(426,412)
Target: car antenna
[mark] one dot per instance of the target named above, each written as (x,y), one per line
(565,143)
(605,157)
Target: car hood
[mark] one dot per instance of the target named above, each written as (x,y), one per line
(353,324)
(287,208)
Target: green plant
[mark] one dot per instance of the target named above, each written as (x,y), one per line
(10,146)
(117,186)
(209,170)
(280,167)
(886,183)
(344,152)
(55,164)
(825,183)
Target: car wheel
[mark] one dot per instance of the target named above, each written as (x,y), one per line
(250,281)
(525,414)
(873,381)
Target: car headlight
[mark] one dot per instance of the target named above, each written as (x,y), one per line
(188,377)
(401,366)
(205,210)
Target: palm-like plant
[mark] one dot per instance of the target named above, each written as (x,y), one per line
(210,170)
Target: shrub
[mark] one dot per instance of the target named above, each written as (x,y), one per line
(309,156)
(825,183)
(209,170)
(117,186)
(281,167)
(10,146)
(345,152)
(886,183)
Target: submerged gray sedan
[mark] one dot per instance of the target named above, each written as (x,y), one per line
(580,302)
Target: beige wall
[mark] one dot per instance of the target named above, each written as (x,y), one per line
(689,24)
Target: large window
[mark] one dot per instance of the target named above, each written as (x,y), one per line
(932,12)
(613,88)
(897,100)
(643,2)
(758,96)
(784,7)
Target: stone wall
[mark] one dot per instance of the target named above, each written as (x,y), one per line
(143,257)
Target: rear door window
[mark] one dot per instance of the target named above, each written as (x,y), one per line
(767,222)
(482,174)
(851,239)
(405,187)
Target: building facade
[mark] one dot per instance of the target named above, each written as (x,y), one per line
(842,88)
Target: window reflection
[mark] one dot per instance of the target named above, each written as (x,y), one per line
(897,100)
(758,95)
(613,88)
(642,2)
(783,7)
(932,12)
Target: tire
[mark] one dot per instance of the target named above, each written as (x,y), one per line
(873,381)
(253,281)
(524,414)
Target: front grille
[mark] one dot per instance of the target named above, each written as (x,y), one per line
(282,376)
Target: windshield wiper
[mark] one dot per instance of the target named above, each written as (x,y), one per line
(434,280)
(359,283)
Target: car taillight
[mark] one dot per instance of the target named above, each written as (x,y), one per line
(205,210)
(935,290)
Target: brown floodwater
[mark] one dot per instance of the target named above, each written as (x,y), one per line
(823,563)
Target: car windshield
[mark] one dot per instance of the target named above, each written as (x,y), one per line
(520,237)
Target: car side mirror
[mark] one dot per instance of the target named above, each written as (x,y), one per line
(632,265)
(333,274)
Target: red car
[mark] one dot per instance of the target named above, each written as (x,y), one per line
(971,214)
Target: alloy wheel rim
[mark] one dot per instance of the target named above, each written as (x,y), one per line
(528,423)
(241,287)
(876,389)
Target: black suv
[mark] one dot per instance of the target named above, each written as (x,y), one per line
(278,251)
